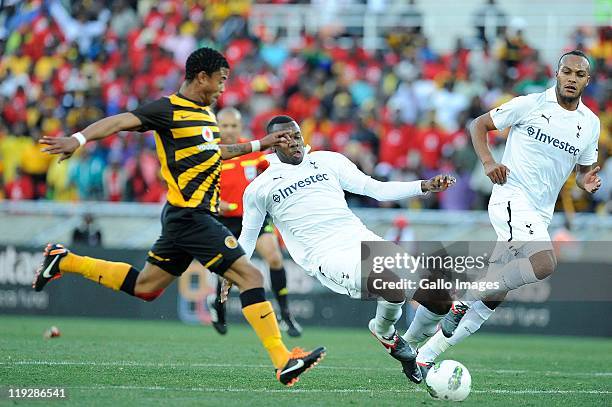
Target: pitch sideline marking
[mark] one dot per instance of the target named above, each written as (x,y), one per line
(224,365)
(266,390)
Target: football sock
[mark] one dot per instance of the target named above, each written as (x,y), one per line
(278,280)
(219,290)
(471,322)
(387,314)
(513,275)
(260,315)
(423,326)
(115,275)
(432,348)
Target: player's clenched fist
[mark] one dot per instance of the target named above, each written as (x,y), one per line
(498,173)
(438,183)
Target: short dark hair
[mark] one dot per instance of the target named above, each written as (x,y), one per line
(278,120)
(576,52)
(204,59)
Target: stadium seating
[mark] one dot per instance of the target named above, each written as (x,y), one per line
(395,104)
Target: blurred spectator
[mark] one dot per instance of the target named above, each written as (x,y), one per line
(87,233)
(448,104)
(400,231)
(21,187)
(34,164)
(428,143)
(79,29)
(489,21)
(396,140)
(86,173)
(513,49)
(303,103)
(114,182)
(124,18)
(59,187)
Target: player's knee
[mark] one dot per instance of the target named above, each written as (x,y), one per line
(275,260)
(150,295)
(255,277)
(543,263)
(251,276)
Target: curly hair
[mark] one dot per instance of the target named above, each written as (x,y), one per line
(204,59)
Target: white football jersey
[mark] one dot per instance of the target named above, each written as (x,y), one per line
(545,143)
(307,205)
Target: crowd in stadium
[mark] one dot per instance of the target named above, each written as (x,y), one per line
(398,113)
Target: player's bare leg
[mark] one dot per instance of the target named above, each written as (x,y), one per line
(268,248)
(260,315)
(147,284)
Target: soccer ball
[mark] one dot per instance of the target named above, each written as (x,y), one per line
(449,380)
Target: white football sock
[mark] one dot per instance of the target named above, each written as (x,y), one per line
(423,326)
(513,275)
(433,348)
(471,322)
(387,314)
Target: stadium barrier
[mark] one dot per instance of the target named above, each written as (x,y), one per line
(530,311)
(126,225)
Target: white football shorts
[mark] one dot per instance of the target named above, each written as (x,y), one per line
(340,268)
(520,229)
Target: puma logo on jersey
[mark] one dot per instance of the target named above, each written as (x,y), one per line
(578,134)
(547,118)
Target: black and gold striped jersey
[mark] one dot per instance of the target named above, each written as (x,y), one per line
(187,140)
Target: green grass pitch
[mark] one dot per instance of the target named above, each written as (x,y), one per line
(120,362)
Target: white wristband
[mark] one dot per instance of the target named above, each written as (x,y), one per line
(80,138)
(255,145)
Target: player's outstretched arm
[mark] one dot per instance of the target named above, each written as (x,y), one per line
(394,190)
(479,129)
(66,146)
(587,178)
(252,219)
(353,180)
(271,140)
